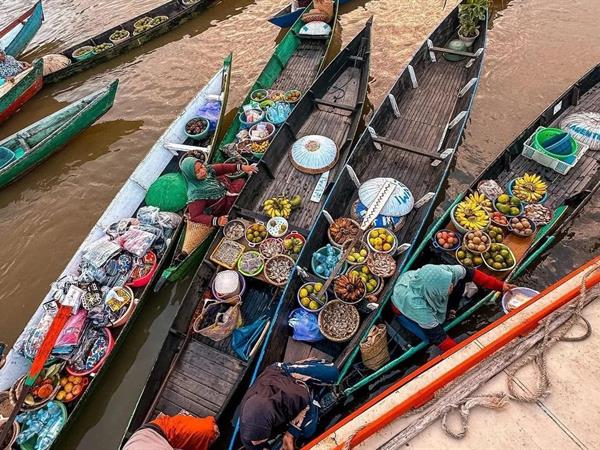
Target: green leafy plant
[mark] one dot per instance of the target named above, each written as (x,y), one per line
(470,13)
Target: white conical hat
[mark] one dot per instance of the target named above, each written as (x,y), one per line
(400,203)
(314,154)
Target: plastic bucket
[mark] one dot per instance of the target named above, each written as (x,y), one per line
(553,142)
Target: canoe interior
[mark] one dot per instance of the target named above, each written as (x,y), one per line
(295,64)
(176,12)
(566,193)
(422,122)
(344,82)
(15,37)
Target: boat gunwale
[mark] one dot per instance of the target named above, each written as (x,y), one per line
(26,19)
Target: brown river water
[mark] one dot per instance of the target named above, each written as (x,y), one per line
(536,49)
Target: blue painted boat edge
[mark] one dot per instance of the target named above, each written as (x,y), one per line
(27,33)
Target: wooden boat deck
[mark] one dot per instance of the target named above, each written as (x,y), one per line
(303,67)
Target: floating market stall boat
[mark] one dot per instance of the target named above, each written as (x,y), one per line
(29,147)
(14,94)
(15,37)
(294,65)
(111,275)
(538,191)
(202,364)
(126,36)
(285,18)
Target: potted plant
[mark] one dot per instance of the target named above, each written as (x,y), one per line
(470,13)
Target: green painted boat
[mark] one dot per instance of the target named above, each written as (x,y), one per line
(14,94)
(26,149)
(295,64)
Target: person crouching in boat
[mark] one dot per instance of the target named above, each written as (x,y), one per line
(210,197)
(10,67)
(425,298)
(282,401)
(181,432)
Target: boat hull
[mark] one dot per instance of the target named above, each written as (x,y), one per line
(33,22)
(73,125)
(23,89)
(286,18)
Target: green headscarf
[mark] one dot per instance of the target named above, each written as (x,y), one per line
(208,189)
(422,295)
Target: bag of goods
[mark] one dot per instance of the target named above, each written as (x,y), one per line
(305,325)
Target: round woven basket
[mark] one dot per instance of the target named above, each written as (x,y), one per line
(349,310)
(374,349)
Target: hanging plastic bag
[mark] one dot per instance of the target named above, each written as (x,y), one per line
(211,111)
(137,242)
(305,325)
(70,334)
(243,340)
(224,322)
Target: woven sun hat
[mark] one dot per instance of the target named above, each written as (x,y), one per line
(168,192)
(400,203)
(314,154)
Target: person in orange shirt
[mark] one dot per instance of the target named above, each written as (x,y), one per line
(180,432)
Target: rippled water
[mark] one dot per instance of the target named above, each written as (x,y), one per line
(537,48)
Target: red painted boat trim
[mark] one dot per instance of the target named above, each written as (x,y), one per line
(427,393)
(22,99)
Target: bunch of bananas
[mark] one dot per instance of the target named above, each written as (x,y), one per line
(476,199)
(472,217)
(529,188)
(281,206)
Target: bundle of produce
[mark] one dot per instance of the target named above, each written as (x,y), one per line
(522,226)
(469,217)
(343,229)
(349,288)
(281,206)
(311,298)
(477,199)
(529,188)
(508,205)
(256,233)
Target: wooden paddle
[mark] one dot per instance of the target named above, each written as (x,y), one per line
(60,319)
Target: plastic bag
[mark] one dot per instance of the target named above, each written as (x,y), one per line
(212,112)
(305,325)
(243,340)
(69,336)
(137,242)
(97,253)
(42,426)
(35,335)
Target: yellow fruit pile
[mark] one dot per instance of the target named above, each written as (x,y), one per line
(281,206)
(470,216)
(477,199)
(370,280)
(305,298)
(529,188)
(357,256)
(381,240)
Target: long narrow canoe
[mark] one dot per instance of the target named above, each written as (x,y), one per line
(412,138)
(14,94)
(285,18)
(32,145)
(295,64)
(159,161)
(567,195)
(15,37)
(193,372)
(175,12)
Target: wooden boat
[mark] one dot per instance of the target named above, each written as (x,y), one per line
(159,161)
(193,372)
(14,94)
(174,13)
(15,37)
(567,195)
(285,18)
(32,145)
(295,64)
(382,416)
(411,138)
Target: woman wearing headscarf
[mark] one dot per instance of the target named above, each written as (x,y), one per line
(210,193)
(10,67)
(181,432)
(424,298)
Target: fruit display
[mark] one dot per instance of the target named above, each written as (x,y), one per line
(381,240)
(339,321)
(349,288)
(357,255)
(102,47)
(196,126)
(468,259)
(142,22)
(308,299)
(71,388)
(292,96)
(259,147)
(118,36)
(476,198)
(371,281)
(266,104)
(256,233)
(281,206)
(508,205)
(499,219)
(470,217)
(82,52)
(145,23)
(234,230)
(446,239)
(276,95)
(343,229)
(499,257)
(259,95)
(521,226)
(271,247)
(278,269)
(529,188)
(293,243)
(477,241)
(496,234)
(277,226)
(325,259)
(540,214)
(251,263)
(43,389)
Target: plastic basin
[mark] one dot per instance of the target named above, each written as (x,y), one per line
(6,156)
(554,142)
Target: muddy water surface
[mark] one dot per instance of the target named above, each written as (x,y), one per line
(536,49)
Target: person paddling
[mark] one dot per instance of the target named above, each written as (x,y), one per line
(425,298)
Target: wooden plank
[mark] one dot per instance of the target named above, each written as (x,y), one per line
(453,52)
(405,147)
(203,351)
(335,105)
(222,377)
(184,402)
(199,389)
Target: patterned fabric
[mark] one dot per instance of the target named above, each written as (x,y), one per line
(10,67)
(208,189)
